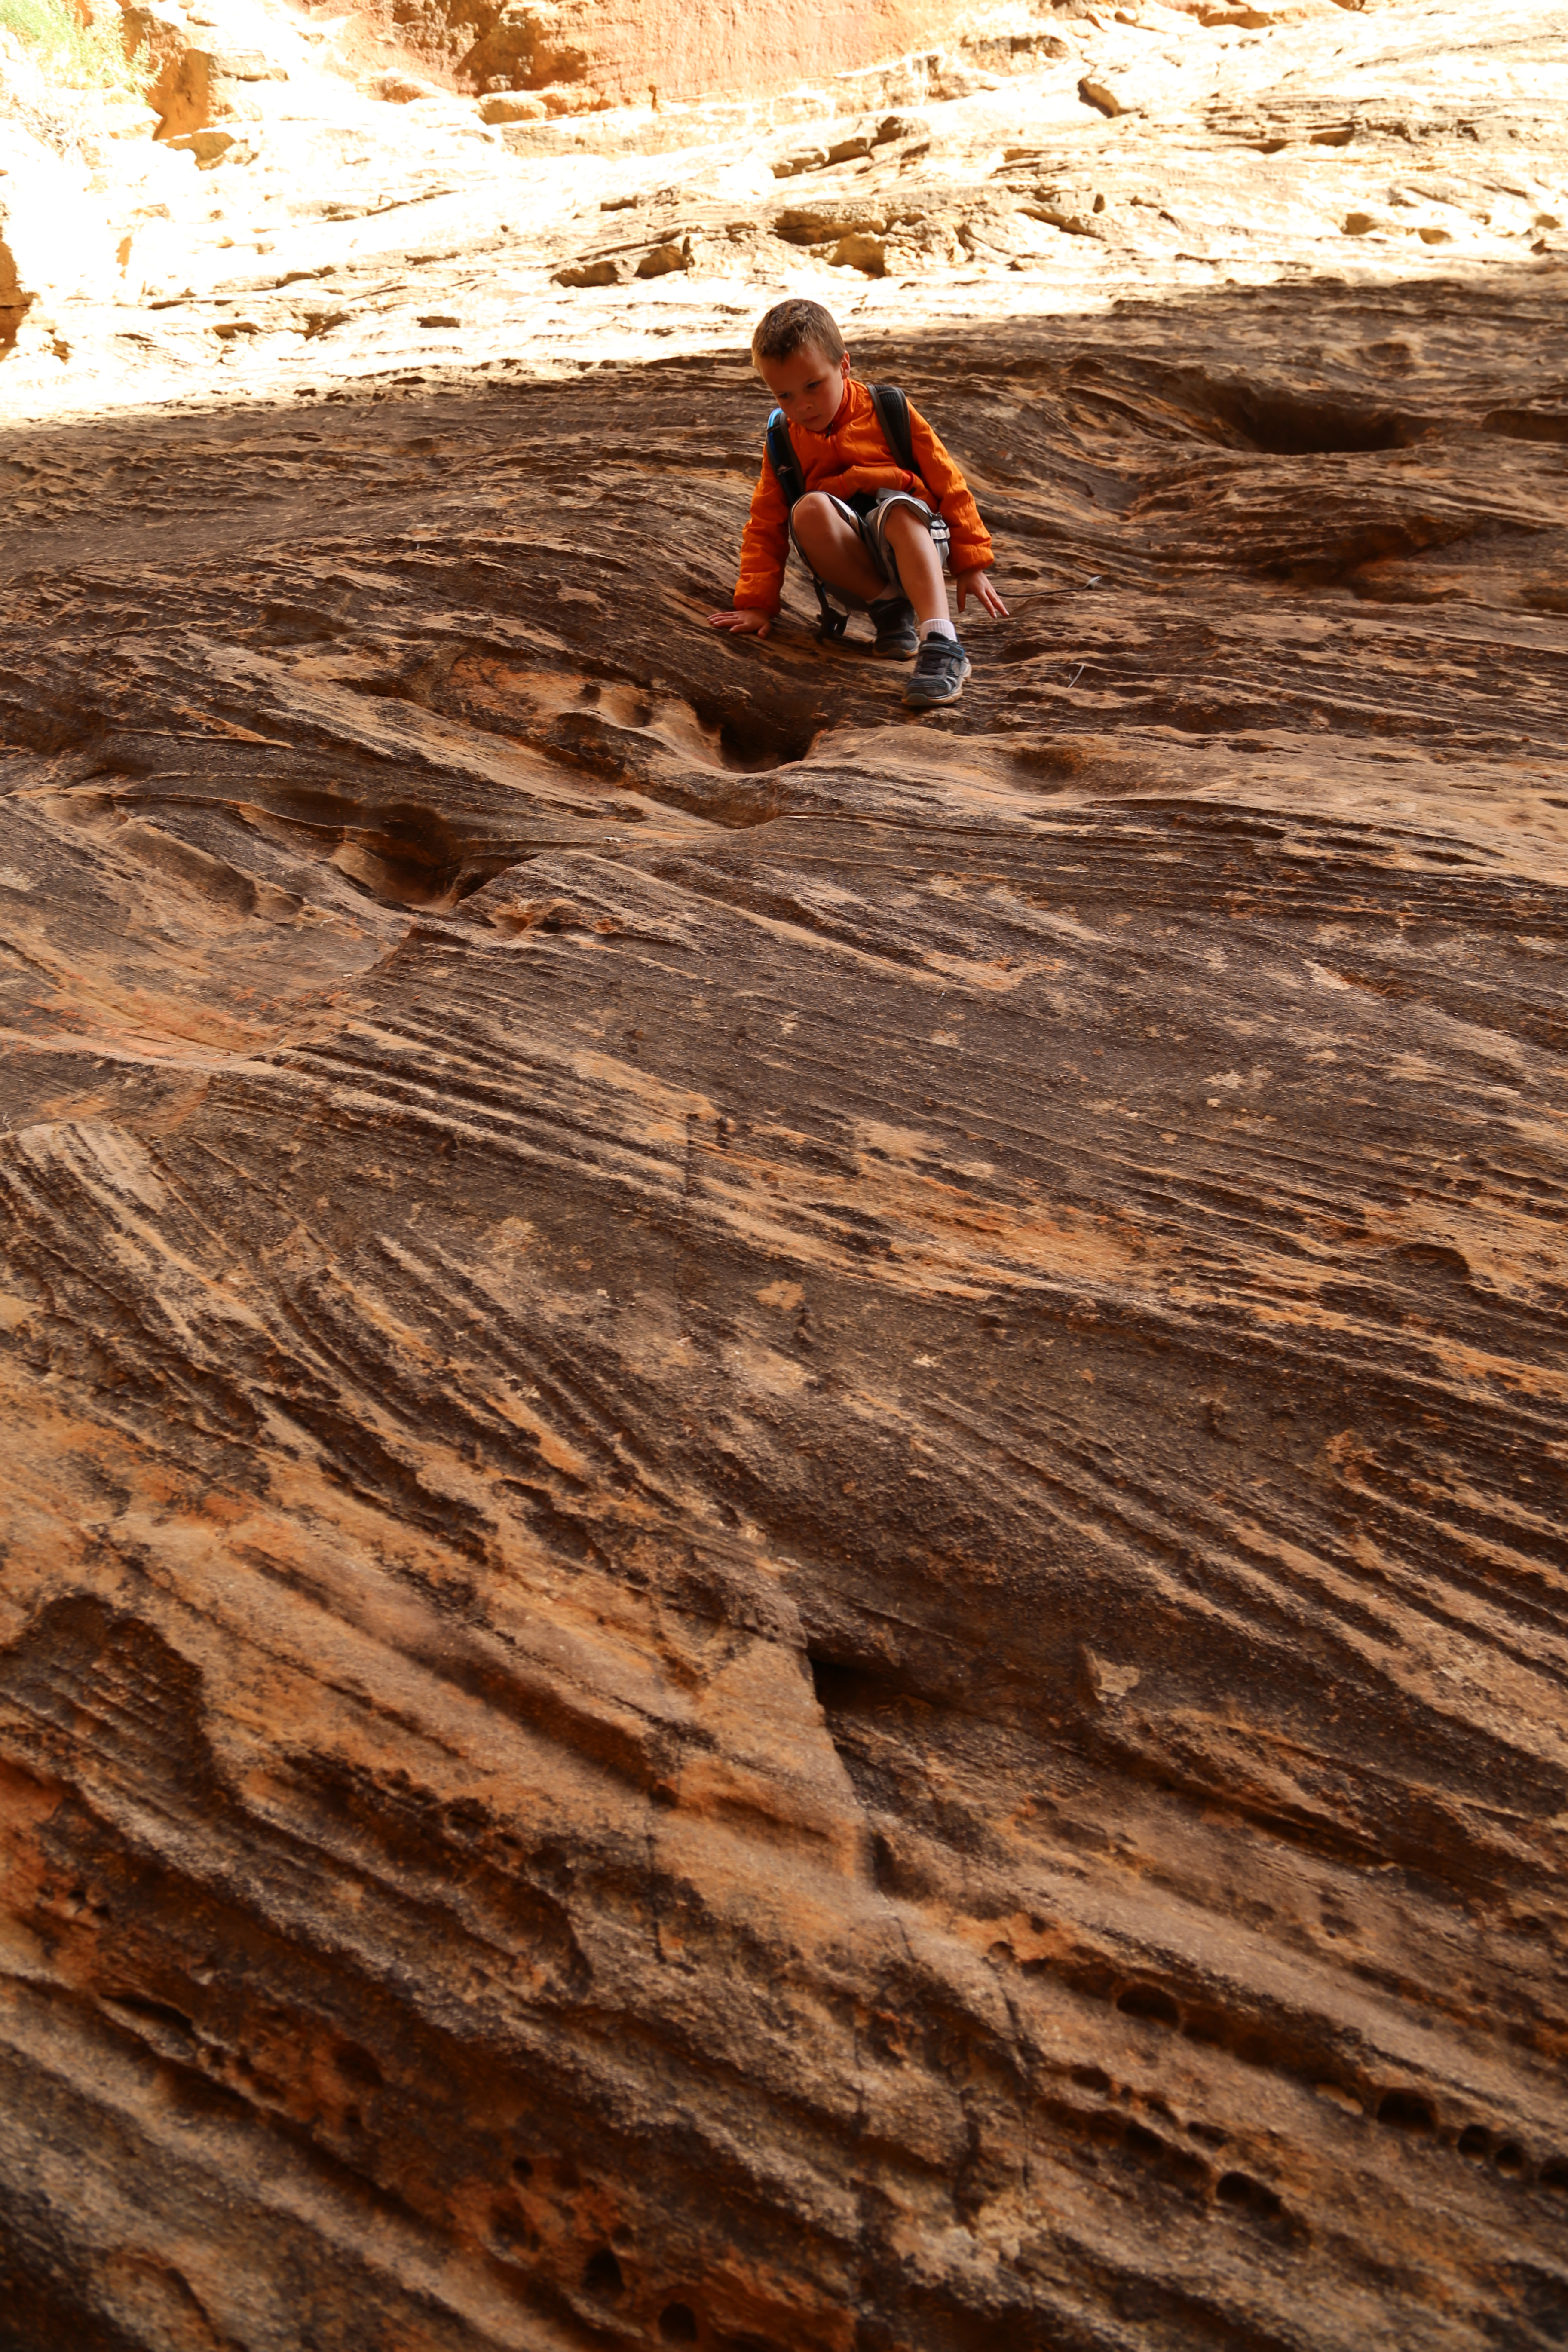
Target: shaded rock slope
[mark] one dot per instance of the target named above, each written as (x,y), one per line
(784,1487)
(784,1542)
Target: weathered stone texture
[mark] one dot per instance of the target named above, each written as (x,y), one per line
(784,1489)
(781,1545)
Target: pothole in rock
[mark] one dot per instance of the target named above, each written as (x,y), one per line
(1299,425)
(242,836)
(1090,764)
(406,855)
(711,755)
(1275,420)
(616,725)
(750,746)
(1527,424)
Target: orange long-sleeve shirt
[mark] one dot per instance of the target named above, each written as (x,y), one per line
(854,456)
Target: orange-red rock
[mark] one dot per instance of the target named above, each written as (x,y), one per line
(783,1500)
(692,51)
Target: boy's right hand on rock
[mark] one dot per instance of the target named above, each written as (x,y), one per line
(747,622)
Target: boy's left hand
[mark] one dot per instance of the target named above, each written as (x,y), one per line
(977,584)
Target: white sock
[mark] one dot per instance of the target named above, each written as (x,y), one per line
(937,629)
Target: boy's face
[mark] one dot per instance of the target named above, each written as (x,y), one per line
(808,385)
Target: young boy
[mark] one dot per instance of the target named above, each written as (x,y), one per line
(863,529)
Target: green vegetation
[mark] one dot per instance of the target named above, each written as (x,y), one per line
(69,54)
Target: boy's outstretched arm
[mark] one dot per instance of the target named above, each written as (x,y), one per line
(764,551)
(972,555)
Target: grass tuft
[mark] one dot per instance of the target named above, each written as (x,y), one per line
(71,54)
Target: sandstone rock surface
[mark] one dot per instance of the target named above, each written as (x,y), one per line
(784,1509)
(682,48)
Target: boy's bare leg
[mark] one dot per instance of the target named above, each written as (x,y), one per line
(836,552)
(834,549)
(920,566)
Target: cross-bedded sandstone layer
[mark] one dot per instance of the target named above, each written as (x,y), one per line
(784,1486)
(784,1489)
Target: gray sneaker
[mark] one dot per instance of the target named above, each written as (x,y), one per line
(893,618)
(941,667)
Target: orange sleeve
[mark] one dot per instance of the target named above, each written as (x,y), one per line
(970,549)
(765,546)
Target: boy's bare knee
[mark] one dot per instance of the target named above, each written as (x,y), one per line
(902,524)
(817,511)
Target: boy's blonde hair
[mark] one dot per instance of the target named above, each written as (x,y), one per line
(789,326)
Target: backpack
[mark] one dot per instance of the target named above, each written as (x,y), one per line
(893,415)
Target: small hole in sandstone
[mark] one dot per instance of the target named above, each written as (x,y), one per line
(1239,2188)
(1150,2002)
(749,748)
(1406,2111)
(1554,2176)
(357,2065)
(1510,2158)
(1090,2078)
(1288,424)
(1475,2140)
(602,2274)
(832,1683)
(677,2324)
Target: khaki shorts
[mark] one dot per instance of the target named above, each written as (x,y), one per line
(866,513)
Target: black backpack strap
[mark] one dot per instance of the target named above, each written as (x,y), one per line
(893,416)
(792,482)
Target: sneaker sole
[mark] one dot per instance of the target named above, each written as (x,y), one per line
(914,701)
(893,651)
